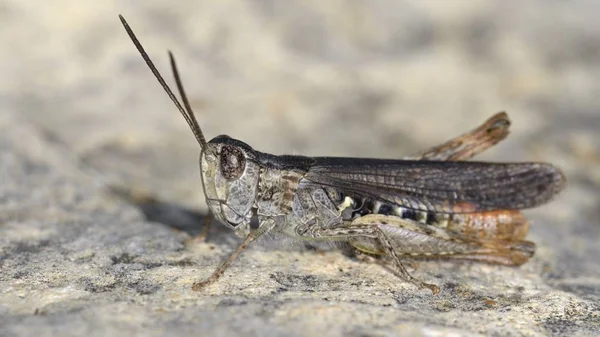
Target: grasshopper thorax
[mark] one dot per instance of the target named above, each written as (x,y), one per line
(230,176)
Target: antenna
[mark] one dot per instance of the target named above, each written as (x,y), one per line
(187,113)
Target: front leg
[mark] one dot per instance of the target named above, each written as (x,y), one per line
(264,227)
(371,231)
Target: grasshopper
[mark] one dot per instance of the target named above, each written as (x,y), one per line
(432,205)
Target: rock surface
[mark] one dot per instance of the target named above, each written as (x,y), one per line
(79,112)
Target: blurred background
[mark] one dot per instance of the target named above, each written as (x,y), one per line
(342,78)
(377,78)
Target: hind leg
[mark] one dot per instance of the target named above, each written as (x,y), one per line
(367,231)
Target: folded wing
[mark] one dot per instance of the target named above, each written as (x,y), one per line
(441,186)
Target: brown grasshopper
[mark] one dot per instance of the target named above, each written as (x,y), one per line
(428,206)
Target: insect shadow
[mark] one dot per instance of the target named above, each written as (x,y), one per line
(173,215)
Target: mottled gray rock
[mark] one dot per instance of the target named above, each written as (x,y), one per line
(80,112)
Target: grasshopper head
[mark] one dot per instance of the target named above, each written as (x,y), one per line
(230,176)
(228,167)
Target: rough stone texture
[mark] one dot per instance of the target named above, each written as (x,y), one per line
(79,111)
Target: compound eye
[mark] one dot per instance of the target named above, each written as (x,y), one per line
(233,162)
